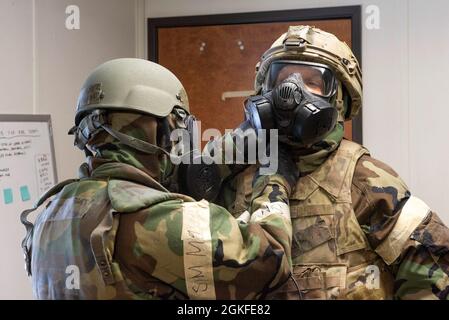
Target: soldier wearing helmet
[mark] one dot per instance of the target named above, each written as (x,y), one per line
(358,231)
(121,231)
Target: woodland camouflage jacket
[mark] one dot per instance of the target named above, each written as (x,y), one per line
(113,235)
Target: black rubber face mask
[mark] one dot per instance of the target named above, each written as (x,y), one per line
(301,117)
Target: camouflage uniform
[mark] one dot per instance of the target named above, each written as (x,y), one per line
(131,239)
(358,232)
(353,216)
(118,233)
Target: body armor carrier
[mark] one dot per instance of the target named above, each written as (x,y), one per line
(331,256)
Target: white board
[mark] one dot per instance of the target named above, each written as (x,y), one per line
(27,170)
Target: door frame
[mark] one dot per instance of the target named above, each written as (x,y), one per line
(327,13)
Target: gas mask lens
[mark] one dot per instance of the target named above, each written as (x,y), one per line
(318,79)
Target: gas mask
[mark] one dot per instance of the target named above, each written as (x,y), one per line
(193,174)
(183,171)
(297,100)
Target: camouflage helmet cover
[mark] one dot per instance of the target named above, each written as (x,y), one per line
(310,44)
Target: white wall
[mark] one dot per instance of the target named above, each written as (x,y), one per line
(43,66)
(405,65)
(16,57)
(65,58)
(16,92)
(428,102)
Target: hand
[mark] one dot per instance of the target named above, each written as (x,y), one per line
(280,162)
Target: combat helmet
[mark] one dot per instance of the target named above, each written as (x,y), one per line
(310,44)
(127,85)
(132,85)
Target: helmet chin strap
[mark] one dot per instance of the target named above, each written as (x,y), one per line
(95,122)
(135,143)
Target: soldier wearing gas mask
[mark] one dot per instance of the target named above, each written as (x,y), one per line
(358,231)
(120,231)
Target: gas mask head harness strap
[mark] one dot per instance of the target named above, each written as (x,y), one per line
(97,121)
(193,178)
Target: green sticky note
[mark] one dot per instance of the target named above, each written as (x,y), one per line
(7,195)
(25,193)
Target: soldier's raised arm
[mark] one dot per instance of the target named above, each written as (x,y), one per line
(203,252)
(125,230)
(403,231)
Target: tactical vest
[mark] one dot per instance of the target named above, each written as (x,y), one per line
(330,253)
